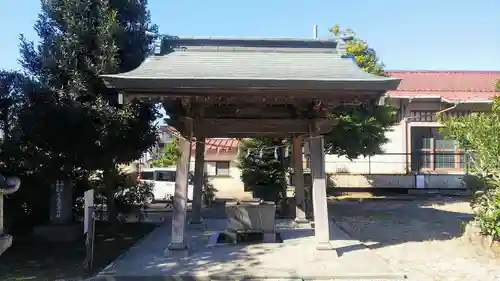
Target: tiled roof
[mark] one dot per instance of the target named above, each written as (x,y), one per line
(449,85)
(221,144)
(236,62)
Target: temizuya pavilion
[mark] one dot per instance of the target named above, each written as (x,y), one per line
(248,87)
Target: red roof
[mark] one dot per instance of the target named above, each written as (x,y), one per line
(449,85)
(221,144)
(214,144)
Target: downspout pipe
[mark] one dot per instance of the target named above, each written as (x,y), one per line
(406,124)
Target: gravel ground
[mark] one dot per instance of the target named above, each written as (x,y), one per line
(420,238)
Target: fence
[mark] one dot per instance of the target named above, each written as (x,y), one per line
(398,163)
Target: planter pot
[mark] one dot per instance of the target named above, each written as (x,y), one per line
(251,216)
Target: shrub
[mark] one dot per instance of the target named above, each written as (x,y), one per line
(479,134)
(486,204)
(208,192)
(261,171)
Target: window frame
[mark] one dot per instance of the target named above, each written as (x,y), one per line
(158,172)
(433,152)
(217,169)
(141,173)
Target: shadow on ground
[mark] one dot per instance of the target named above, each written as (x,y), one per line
(296,258)
(380,223)
(218,261)
(32,259)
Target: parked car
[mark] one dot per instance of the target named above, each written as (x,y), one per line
(164,183)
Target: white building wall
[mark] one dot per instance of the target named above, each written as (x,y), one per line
(393,161)
(227,186)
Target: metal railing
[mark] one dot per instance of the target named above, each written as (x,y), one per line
(397,163)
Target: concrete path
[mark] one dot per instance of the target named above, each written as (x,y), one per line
(294,259)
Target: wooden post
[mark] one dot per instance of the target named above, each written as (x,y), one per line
(298,180)
(177,244)
(1,213)
(90,235)
(198,179)
(321,219)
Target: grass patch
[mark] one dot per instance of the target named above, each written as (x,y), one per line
(29,259)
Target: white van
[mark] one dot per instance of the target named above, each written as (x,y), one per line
(164,183)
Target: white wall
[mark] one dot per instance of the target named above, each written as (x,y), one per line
(392,162)
(228,186)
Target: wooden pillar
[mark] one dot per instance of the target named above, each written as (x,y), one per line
(1,214)
(177,244)
(298,180)
(198,179)
(321,219)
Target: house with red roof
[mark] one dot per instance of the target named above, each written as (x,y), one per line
(220,162)
(416,146)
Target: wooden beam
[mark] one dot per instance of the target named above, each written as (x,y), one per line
(215,96)
(263,127)
(252,111)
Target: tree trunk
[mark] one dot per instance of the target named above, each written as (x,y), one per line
(109,190)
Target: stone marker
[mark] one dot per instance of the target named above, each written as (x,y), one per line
(61,210)
(61,227)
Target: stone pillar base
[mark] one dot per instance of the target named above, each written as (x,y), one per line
(269,237)
(5,242)
(301,220)
(324,246)
(59,233)
(196,221)
(176,250)
(197,224)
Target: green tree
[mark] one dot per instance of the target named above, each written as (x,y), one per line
(168,155)
(365,123)
(365,56)
(261,169)
(12,98)
(479,134)
(77,120)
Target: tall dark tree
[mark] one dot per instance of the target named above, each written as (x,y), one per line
(12,98)
(78,121)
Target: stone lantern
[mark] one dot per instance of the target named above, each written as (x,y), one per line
(7,186)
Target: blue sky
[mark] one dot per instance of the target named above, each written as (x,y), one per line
(424,34)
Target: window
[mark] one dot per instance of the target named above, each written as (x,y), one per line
(147,176)
(432,152)
(166,176)
(218,168)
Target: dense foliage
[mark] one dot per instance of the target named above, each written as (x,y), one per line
(66,123)
(479,134)
(261,169)
(361,128)
(168,155)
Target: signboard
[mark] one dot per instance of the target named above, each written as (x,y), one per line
(420,181)
(88,202)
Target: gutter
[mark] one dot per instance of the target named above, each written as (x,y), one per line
(406,124)
(440,98)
